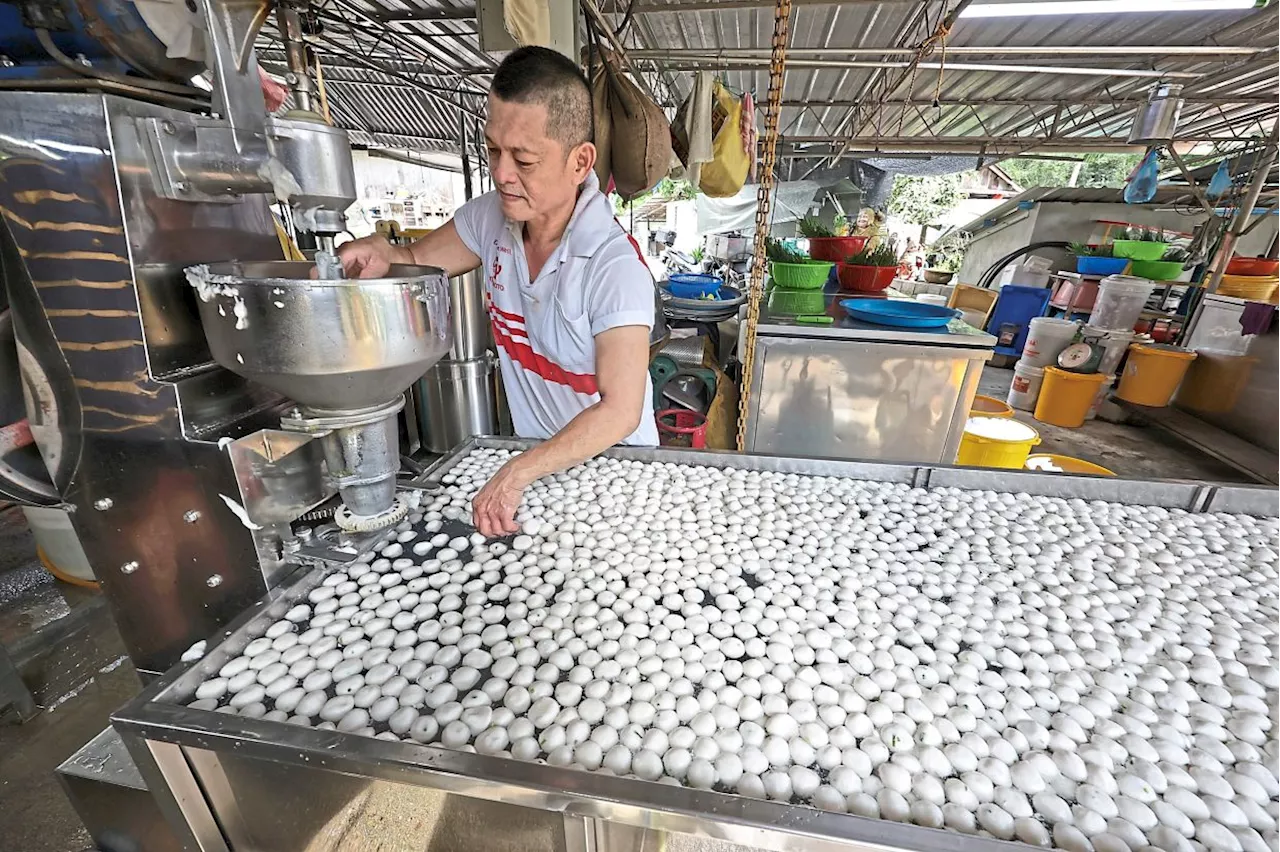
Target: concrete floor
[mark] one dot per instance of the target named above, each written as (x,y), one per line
(1131,452)
(77,669)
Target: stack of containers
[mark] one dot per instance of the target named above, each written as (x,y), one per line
(1116,311)
(1046,338)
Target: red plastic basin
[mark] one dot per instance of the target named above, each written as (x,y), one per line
(835,249)
(1259,266)
(865,279)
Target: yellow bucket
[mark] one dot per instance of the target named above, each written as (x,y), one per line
(989,406)
(1065,397)
(1153,373)
(996,442)
(1250,287)
(1050,463)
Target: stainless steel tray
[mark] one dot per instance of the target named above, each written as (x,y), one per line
(178,749)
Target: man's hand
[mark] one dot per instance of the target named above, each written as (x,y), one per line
(371,257)
(493,510)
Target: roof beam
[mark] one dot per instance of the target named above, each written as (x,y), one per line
(988,145)
(984,50)
(1020,102)
(746,63)
(464,13)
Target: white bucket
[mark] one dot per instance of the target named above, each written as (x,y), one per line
(59,546)
(1025,389)
(1103,390)
(1120,302)
(931,299)
(1046,338)
(1113,343)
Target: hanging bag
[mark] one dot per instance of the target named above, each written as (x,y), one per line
(725,175)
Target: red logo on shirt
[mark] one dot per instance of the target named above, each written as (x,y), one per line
(493,276)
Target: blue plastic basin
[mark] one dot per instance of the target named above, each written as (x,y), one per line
(899,313)
(1101,265)
(686,285)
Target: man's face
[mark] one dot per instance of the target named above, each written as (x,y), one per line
(533,173)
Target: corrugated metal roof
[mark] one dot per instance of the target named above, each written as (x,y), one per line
(1004,105)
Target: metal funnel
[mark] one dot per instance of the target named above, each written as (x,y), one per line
(329,345)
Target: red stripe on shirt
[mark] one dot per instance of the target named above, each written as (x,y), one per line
(635,245)
(504,314)
(522,353)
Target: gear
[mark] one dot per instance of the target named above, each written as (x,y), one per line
(367,523)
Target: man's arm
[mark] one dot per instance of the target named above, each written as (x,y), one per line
(371,257)
(622,363)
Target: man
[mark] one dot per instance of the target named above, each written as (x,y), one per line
(570,300)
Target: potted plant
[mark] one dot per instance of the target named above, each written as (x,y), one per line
(826,244)
(791,269)
(1167,268)
(1097,260)
(1141,244)
(870,270)
(947,258)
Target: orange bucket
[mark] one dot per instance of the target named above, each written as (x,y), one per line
(1152,373)
(1215,380)
(1065,397)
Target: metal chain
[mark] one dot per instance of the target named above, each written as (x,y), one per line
(764,195)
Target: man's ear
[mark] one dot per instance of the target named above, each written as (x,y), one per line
(582,159)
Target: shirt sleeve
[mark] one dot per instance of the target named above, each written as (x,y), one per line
(475,221)
(623,292)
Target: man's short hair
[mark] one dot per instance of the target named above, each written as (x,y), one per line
(539,75)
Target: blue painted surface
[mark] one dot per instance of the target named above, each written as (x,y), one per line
(899,313)
(1017,306)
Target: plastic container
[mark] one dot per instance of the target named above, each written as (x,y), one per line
(1101,265)
(1050,463)
(800,276)
(1138,249)
(1215,380)
(1157,270)
(1114,344)
(1100,397)
(1024,390)
(1263,266)
(1016,308)
(1121,299)
(679,427)
(1152,373)
(1046,338)
(687,285)
(835,249)
(865,279)
(1252,288)
(932,299)
(989,406)
(1065,397)
(996,442)
(58,546)
(1074,296)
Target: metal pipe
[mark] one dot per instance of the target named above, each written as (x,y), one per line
(46,42)
(79,84)
(463,13)
(712,62)
(1044,50)
(1018,102)
(299,77)
(1262,168)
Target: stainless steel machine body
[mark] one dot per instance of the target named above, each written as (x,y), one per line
(185,428)
(233,783)
(854,390)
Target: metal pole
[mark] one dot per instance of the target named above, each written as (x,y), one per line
(1266,159)
(467,189)
(988,50)
(755,290)
(295,51)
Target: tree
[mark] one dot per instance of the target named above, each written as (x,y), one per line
(1111,170)
(926,199)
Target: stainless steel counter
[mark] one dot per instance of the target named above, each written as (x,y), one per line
(227,782)
(856,390)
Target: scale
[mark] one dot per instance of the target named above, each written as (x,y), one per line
(1082,357)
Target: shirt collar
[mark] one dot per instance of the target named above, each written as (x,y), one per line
(588,226)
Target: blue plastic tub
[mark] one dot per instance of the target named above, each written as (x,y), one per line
(1101,265)
(1013,313)
(685,285)
(899,313)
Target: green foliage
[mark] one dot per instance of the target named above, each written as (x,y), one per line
(1110,170)
(925,200)
(811,227)
(948,253)
(885,254)
(1084,250)
(667,190)
(780,252)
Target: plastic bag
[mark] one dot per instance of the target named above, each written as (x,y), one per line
(1146,179)
(1220,182)
(725,175)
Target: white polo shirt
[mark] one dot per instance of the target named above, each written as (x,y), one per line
(545,330)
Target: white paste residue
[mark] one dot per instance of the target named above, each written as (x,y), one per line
(239,512)
(209,287)
(1044,464)
(999,429)
(225,442)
